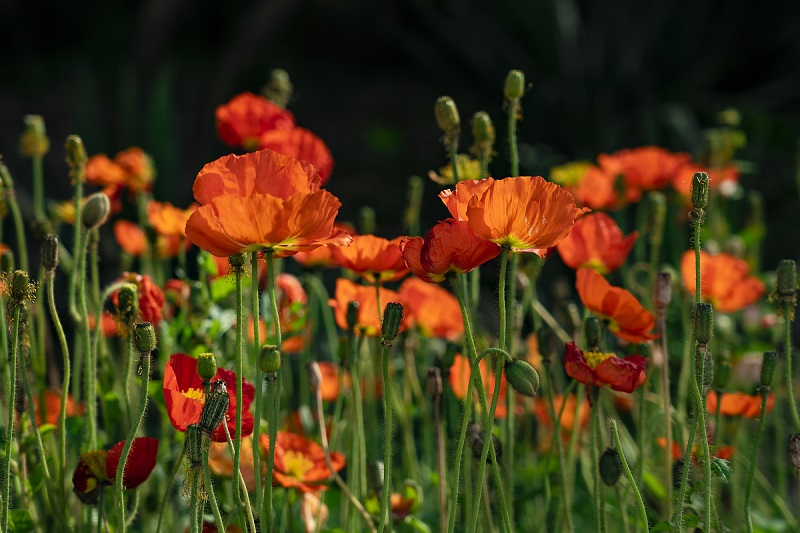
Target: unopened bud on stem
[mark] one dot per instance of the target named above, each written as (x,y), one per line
(704,322)
(50,253)
(593,331)
(768,364)
(515,85)
(144,337)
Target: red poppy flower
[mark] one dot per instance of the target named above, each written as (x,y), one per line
(374,258)
(435,311)
(300,463)
(622,312)
(460,372)
(717,177)
(643,169)
(449,247)
(590,185)
(99,467)
(184,396)
(738,404)
(723,452)
(596,242)
(302,145)
(151,297)
(527,214)
(598,369)
(369,320)
(52,407)
(725,280)
(242,121)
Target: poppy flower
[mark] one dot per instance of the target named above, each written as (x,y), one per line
(725,280)
(460,372)
(718,178)
(220,460)
(138,167)
(643,169)
(97,468)
(541,408)
(457,200)
(374,258)
(330,380)
(598,369)
(300,463)
(450,247)
(368,321)
(151,297)
(184,396)
(723,452)
(262,200)
(590,185)
(618,308)
(596,242)
(322,257)
(49,413)
(242,121)
(167,219)
(102,171)
(133,241)
(526,214)
(303,146)
(738,404)
(435,311)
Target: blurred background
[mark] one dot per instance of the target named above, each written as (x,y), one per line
(604,76)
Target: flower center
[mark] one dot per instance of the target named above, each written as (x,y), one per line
(570,174)
(595,358)
(296,464)
(195,394)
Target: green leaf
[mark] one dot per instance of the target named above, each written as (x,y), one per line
(662,526)
(721,468)
(416,524)
(21,521)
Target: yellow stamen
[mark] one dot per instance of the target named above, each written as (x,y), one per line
(296,464)
(595,358)
(195,394)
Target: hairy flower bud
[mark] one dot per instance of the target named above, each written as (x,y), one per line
(704,323)
(483,133)
(20,289)
(514,86)
(447,116)
(237,262)
(768,364)
(433,383)
(215,407)
(270,359)
(593,331)
(206,366)
(144,337)
(50,252)
(786,281)
(34,141)
(794,450)
(390,325)
(699,191)
(96,210)
(76,158)
(128,304)
(610,466)
(194,445)
(476,436)
(522,377)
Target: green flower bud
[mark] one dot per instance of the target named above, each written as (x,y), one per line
(194,445)
(50,252)
(352,314)
(793,447)
(215,407)
(476,436)
(610,466)
(128,305)
(433,383)
(144,337)
(768,364)
(447,116)
(34,141)
(515,85)
(704,323)
(206,366)
(786,281)
(699,191)
(593,331)
(392,319)
(20,289)
(278,89)
(76,158)
(522,377)
(270,359)
(96,210)
(723,375)
(237,262)
(482,128)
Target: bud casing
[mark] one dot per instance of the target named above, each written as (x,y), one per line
(215,407)
(96,210)
(522,377)
(50,252)
(392,320)
(699,191)
(270,359)
(144,337)
(610,467)
(704,322)
(514,86)
(447,116)
(206,366)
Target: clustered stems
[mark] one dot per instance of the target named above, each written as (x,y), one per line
(788,312)
(636,493)
(9,434)
(599,498)
(565,494)
(276,394)
(238,270)
(259,382)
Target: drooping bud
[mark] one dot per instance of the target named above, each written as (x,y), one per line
(704,323)
(514,87)
(352,314)
(794,450)
(522,377)
(723,375)
(476,436)
(447,116)
(50,252)
(390,325)
(270,359)
(206,366)
(96,210)
(194,445)
(655,215)
(699,191)
(144,337)
(610,466)
(593,331)
(278,89)
(128,304)
(768,364)
(237,262)
(786,280)
(215,407)
(34,141)
(76,158)
(433,383)
(662,292)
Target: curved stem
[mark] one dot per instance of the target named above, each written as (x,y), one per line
(513,108)
(62,413)
(237,447)
(565,496)
(9,434)
(748,521)
(636,493)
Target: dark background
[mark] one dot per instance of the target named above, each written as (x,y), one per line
(604,76)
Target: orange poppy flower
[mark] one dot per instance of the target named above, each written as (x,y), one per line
(101,170)
(527,214)
(618,308)
(542,411)
(369,320)
(300,463)
(167,219)
(643,169)
(738,404)
(458,200)
(596,242)
(132,240)
(373,258)
(52,407)
(99,467)
(262,200)
(292,302)
(138,167)
(717,177)
(242,121)
(590,185)
(723,452)
(330,380)
(322,257)
(598,369)
(459,377)
(220,461)
(302,145)
(725,280)
(450,247)
(434,310)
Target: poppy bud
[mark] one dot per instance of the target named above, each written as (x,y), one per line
(662,293)
(483,133)
(786,282)
(50,252)
(194,445)
(314,375)
(128,304)
(515,85)
(476,437)
(96,210)
(654,217)
(76,157)
(278,89)
(723,374)
(699,191)
(237,261)
(215,407)
(447,116)
(390,326)
(20,289)
(433,383)
(703,323)
(593,331)
(522,377)
(206,366)
(7,261)
(270,359)
(768,368)
(34,141)
(144,337)
(610,466)
(352,314)
(794,450)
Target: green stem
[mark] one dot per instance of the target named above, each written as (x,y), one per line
(667,406)
(273,425)
(210,486)
(256,352)
(513,108)
(636,493)
(194,515)
(126,378)
(237,447)
(599,500)
(38,189)
(748,520)
(453,146)
(173,474)
(62,413)
(19,228)
(248,509)
(9,435)
(386,507)
(565,495)
(510,398)
(787,314)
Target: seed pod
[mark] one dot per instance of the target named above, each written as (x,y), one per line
(144,337)
(699,191)
(663,290)
(270,359)
(392,319)
(50,252)
(206,366)
(433,383)
(476,436)
(514,87)
(522,377)
(704,322)
(786,282)
(447,116)
(768,364)
(314,375)
(96,210)
(610,466)
(215,407)
(593,331)
(237,262)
